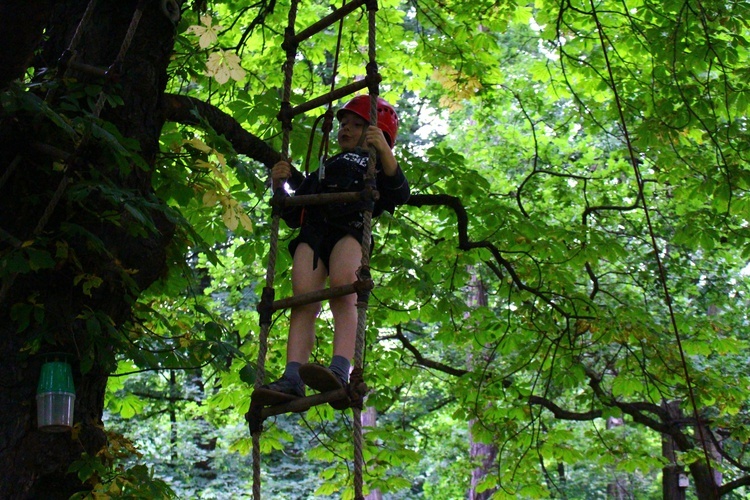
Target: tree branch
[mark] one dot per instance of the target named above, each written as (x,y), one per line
(665,424)
(733,485)
(164,397)
(190,111)
(561,413)
(428,363)
(464,243)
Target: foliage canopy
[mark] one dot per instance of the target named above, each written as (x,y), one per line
(585,162)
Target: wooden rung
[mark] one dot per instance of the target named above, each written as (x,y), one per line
(304,404)
(322,199)
(319,295)
(325,22)
(88,68)
(334,95)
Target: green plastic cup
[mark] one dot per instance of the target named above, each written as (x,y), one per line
(55,397)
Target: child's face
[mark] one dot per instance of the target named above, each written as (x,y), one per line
(351,127)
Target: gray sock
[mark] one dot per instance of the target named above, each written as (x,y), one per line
(291,372)
(340,366)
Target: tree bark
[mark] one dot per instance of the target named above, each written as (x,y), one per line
(370,419)
(61,316)
(671,473)
(617,489)
(482,453)
(23,22)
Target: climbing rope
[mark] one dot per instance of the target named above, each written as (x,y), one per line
(264,307)
(356,389)
(363,300)
(327,117)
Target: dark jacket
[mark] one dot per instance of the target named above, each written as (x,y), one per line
(346,172)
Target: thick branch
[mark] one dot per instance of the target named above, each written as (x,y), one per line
(665,424)
(428,363)
(190,111)
(564,414)
(464,243)
(733,485)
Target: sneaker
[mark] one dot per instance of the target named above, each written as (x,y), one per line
(281,391)
(323,380)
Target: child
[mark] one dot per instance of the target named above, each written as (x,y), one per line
(329,244)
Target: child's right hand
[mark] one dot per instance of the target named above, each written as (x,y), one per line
(280,172)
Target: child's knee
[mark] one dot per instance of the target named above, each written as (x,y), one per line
(344,304)
(307,310)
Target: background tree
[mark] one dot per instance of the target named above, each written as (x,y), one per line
(588,160)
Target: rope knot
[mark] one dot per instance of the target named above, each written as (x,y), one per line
(286,113)
(265,306)
(114,72)
(373,78)
(357,389)
(254,418)
(64,61)
(290,43)
(369,195)
(363,285)
(327,122)
(277,202)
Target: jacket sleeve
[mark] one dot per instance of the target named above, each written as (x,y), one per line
(394,191)
(296,179)
(293,215)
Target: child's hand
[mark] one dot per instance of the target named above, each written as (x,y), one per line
(374,137)
(280,172)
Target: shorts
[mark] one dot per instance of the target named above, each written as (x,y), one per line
(322,238)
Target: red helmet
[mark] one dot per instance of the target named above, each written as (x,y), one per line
(387,117)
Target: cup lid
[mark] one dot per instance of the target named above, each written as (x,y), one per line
(56,376)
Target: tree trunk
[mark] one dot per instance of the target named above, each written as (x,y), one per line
(672,473)
(485,454)
(370,419)
(482,453)
(173,438)
(674,479)
(617,489)
(44,308)
(205,442)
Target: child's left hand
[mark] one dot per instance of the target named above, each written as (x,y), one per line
(374,137)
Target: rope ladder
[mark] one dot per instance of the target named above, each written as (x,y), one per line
(354,393)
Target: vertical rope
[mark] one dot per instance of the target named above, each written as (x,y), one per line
(359,348)
(327,124)
(263,348)
(124,47)
(9,170)
(83,22)
(291,53)
(284,117)
(256,465)
(75,39)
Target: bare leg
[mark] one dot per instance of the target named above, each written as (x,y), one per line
(305,279)
(346,258)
